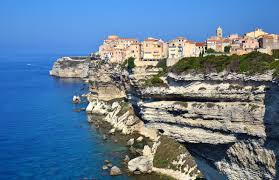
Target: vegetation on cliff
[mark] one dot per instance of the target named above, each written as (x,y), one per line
(252,63)
(156,80)
(129,64)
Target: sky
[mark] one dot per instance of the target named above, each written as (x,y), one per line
(78,27)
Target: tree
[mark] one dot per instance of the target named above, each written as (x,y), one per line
(131,63)
(227,49)
(210,50)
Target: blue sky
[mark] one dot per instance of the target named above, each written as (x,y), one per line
(79,26)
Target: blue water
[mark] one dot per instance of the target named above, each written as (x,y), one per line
(41,137)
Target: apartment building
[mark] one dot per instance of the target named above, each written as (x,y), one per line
(154,49)
(114,48)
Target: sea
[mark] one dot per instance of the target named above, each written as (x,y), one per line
(41,134)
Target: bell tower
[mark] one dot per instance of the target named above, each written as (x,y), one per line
(219,32)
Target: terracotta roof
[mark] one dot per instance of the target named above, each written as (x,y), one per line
(200,44)
(190,42)
(151,39)
(267,37)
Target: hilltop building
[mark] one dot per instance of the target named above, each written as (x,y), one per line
(219,32)
(176,47)
(180,47)
(218,42)
(268,43)
(154,49)
(114,48)
(256,33)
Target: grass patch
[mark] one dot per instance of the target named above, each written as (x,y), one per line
(167,152)
(154,81)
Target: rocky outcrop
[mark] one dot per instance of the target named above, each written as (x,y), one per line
(67,67)
(228,121)
(142,164)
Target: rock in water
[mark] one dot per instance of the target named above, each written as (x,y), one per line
(76,99)
(114,171)
(141,163)
(126,159)
(105,167)
(131,142)
(109,165)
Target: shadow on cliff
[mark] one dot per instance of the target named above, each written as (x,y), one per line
(271,122)
(206,155)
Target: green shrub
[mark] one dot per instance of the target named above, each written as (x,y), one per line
(252,63)
(154,81)
(227,49)
(131,63)
(210,50)
(275,53)
(128,63)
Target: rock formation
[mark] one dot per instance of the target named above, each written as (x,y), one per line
(67,67)
(227,121)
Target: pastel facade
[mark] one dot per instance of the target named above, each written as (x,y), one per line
(269,41)
(134,51)
(256,33)
(176,48)
(180,48)
(249,43)
(114,48)
(154,49)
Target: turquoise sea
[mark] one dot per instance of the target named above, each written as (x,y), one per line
(41,137)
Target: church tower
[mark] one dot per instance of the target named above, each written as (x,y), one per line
(219,32)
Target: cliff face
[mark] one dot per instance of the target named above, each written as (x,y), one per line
(229,122)
(69,68)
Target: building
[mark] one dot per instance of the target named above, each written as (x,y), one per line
(256,33)
(154,49)
(134,51)
(270,41)
(250,44)
(218,43)
(114,48)
(200,49)
(176,48)
(219,32)
(180,48)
